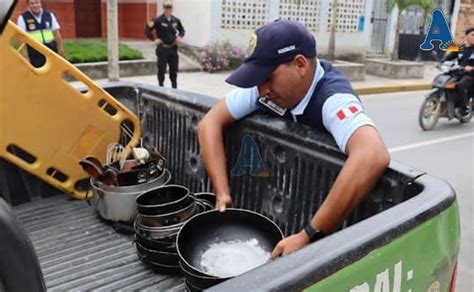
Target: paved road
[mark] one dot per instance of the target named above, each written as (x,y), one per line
(447,152)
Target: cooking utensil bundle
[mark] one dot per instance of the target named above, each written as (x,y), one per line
(177,231)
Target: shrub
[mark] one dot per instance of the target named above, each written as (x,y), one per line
(220,56)
(86,51)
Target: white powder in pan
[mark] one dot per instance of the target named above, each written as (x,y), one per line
(232,258)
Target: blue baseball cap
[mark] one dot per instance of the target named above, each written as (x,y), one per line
(273,44)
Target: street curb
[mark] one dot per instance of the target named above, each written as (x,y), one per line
(391,88)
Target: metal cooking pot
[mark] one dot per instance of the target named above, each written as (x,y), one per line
(198,281)
(160,268)
(158,257)
(160,245)
(172,217)
(118,203)
(163,199)
(161,233)
(207,197)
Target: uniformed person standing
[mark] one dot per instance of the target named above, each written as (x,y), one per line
(168,34)
(43,27)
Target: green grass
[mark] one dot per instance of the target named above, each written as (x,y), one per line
(87,51)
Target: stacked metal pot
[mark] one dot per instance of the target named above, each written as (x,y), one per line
(161,212)
(116,187)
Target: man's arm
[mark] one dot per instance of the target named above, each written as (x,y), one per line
(367,160)
(180,29)
(149,32)
(211,142)
(57,35)
(59,42)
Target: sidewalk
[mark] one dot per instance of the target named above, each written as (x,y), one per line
(214,84)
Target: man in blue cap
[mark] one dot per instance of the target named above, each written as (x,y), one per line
(282,71)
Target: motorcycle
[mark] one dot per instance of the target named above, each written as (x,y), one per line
(443,99)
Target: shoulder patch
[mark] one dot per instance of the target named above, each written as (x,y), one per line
(151,23)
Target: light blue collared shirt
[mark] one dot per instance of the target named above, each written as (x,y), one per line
(299,109)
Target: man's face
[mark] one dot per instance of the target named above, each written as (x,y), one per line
(284,86)
(34,6)
(168,11)
(470,38)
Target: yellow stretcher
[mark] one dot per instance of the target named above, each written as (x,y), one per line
(46,125)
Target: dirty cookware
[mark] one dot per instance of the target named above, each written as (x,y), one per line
(162,200)
(222,245)
(171,218)
(118,203)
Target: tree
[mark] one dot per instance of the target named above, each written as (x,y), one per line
(332,36)
(112,40)
(427,5)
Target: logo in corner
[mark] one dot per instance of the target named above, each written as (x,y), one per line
(439,31)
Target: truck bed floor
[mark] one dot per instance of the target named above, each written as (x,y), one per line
(78,251)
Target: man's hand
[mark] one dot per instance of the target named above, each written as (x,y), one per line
(177,42)
(223,201)
(290,244)
(469,68)
(158,41)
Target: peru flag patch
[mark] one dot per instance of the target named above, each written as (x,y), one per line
(346,112)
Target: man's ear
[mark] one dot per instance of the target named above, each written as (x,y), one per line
(302,63)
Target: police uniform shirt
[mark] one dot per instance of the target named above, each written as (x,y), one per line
(166,29)
(54,23)
(342,113)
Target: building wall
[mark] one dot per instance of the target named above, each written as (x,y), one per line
(465,19)
(235,20)
(62,9)
(133,15)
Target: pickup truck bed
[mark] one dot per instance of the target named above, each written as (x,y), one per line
(376,245)
(78,251)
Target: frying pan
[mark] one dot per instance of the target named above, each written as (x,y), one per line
(209,228)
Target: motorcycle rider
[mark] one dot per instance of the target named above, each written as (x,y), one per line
(466,59)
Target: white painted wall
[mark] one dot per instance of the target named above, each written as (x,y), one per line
(201,19)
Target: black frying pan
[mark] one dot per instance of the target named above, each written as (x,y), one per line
(212,227)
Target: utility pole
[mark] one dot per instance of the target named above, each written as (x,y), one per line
(112,40)
(332,35)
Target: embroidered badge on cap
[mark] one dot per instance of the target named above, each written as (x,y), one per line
(252,44)
(286,49)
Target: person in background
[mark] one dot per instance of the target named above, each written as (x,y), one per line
(282,71)
(465,58)
(43,26)
(168,36)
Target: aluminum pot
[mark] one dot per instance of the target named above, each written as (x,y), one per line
(117,204)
